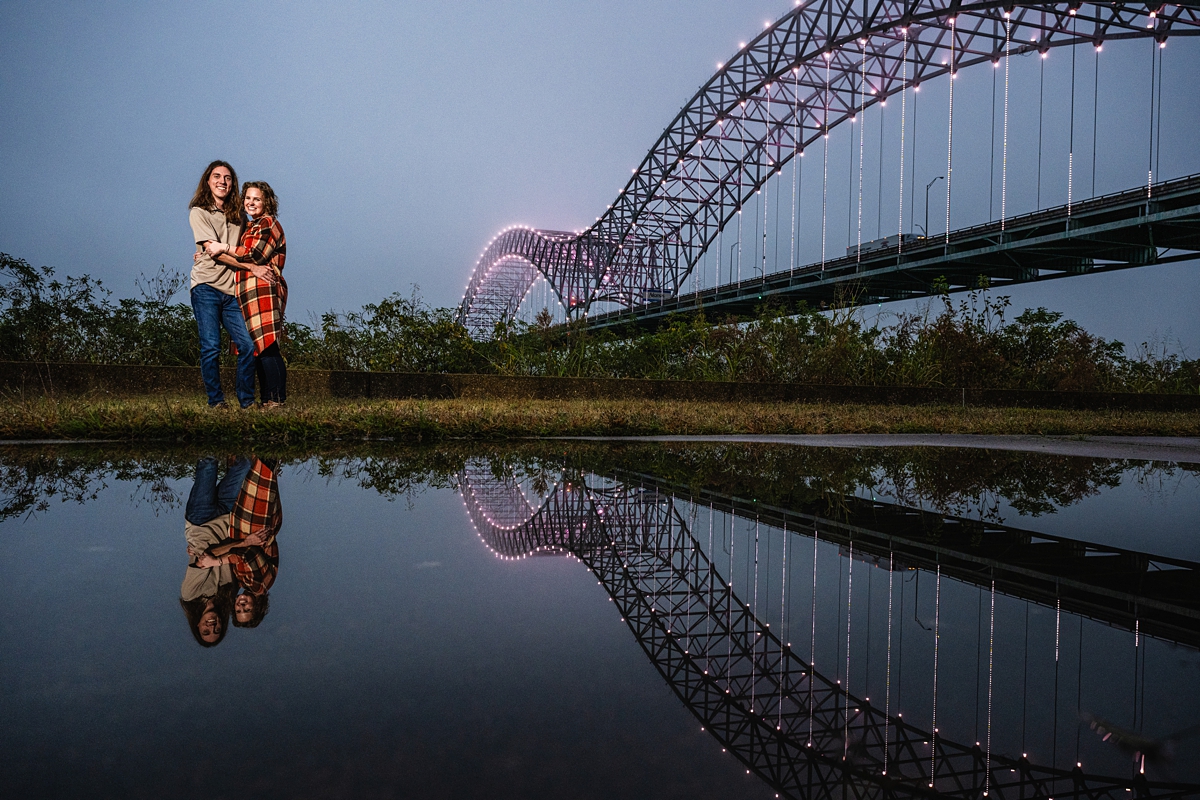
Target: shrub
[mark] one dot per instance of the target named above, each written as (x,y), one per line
(397,334)
(44,319)
(968,344)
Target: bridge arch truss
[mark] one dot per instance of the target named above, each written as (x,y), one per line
(811,71)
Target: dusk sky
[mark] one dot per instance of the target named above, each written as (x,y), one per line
(401,136)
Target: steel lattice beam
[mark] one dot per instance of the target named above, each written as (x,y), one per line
(811,71)
(795,728)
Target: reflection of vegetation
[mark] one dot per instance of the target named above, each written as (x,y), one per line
(958,482)
(972,482)
(30,478)
(399,473)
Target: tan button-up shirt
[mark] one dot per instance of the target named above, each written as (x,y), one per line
(211,226)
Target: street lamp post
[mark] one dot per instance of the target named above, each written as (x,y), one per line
(925,230)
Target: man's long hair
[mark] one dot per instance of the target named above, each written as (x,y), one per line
(203,198)
(222,604)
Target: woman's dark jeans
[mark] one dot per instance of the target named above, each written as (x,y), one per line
(214,309)
(272,375)
(209,499)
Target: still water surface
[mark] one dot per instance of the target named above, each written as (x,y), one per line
(597,621)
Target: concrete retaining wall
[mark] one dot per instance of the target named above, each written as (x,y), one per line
(122,381)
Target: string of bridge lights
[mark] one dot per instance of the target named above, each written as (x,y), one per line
(785,626)
(846,686)
(797,152)
(696,563)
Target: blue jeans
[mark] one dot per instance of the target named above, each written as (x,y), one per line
(208,499)
(214,309)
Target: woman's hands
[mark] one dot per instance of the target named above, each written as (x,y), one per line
(258,538)
(263,273)
(215,249)
(212,556)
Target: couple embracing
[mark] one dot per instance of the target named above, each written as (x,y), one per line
(237,283)
(230,527)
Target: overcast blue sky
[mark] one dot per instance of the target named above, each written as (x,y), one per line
(401,136)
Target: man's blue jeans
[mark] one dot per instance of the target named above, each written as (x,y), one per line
(209,499)
(214,309)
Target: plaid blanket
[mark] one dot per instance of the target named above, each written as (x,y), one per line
(257,509)
(263,303)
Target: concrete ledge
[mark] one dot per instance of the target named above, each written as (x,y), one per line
(35,380)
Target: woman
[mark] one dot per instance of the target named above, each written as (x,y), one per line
(261,291)
(215,214)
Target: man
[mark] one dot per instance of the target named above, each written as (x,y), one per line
(216,216)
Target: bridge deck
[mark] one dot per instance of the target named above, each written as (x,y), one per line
(1111,232)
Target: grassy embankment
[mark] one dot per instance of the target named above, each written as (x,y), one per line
(965,343)
(187,419)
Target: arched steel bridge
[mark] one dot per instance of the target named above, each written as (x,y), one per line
(798,730)
(811,71)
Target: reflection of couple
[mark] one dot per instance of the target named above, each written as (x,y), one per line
(237,282)
(230,527)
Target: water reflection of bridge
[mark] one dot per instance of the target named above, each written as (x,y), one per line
(801,731)
(1157,594)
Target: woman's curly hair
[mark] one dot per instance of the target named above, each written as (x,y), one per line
(270,201)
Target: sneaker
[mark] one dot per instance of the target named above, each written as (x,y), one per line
(221,406)
(271,405)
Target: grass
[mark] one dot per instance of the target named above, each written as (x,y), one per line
(187,419)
